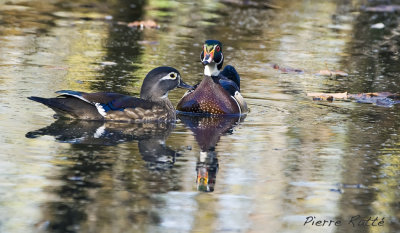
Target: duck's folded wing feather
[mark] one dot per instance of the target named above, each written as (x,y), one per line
(229,72)
(132,102)
(99,97)
(123,102)
(101,105)
(229,85)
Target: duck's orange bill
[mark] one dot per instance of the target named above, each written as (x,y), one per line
(208,56)
(202,178)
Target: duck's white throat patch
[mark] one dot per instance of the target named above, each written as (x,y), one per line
(211,69)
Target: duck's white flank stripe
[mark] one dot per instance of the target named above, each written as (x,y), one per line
(240,110)
(100,109)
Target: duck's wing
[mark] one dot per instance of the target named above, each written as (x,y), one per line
(92,98)
(110,101)
(114,106)
(229,72)
(229,85)
(91,106)
(123,102)
(230,81)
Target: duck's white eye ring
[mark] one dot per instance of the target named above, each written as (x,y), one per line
(170,76)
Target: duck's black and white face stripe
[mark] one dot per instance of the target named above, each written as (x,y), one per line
(212,57)
(212,69)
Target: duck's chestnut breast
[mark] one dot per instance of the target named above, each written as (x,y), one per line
(209,97)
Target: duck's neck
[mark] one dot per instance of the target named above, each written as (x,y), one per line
(211,69)
(161,101)
(166,103)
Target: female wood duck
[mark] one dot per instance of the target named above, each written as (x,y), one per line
(152,106)
(218,92)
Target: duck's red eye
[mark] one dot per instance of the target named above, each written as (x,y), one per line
(217,49)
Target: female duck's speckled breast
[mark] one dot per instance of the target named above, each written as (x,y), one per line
(209,97)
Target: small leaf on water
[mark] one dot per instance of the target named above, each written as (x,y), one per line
(328,96)
(286,69)
(337,73)
(144,24)
(384,99)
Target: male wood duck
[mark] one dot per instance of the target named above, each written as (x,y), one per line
(152,106)
(218,92)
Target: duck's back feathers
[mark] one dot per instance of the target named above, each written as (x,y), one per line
(99,97)
(230,73)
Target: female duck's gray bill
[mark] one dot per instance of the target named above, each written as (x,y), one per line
(184,85)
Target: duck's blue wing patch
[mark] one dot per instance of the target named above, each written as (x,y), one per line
(110,106)
(124,102)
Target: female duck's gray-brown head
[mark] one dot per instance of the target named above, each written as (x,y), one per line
(212,57)
(159,82)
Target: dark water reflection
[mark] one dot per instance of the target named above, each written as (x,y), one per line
(91,162)
(93,157)
(207,132)
(289,159)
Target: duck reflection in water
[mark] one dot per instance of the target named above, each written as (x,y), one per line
(151,137)
(207,132)
(94,170)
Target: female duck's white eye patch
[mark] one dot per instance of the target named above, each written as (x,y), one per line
(170,76)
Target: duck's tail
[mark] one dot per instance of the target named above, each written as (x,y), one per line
(70,107)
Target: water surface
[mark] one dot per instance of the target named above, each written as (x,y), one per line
(288,159)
